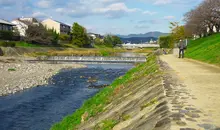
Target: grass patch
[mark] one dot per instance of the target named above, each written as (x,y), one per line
(25,44)
(106,125)
(126,117)
(205,49)
(96,104)
(152,102)
(11,69)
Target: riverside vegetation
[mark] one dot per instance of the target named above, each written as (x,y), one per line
(137,98)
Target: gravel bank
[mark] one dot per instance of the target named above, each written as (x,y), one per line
(19,76)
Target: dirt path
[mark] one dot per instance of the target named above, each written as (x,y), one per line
(194,89)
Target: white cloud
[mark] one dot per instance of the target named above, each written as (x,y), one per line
(60,10)
(149,12)
(44,3)
(114,10)
(168,17)
(39,15)
(141,26)
(159,2)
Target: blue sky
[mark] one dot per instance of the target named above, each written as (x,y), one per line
(103,16)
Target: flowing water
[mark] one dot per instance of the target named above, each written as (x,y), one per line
(40,107)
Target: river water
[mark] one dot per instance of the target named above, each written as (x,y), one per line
(40,107)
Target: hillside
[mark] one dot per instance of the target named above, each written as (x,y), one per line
(155,34)
(138,39)
(205,49)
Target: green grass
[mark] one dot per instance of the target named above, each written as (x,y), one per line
(106,125)
(11,69)
(25,44)
(97,103)
(205,49)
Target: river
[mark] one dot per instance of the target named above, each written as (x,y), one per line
(40,107)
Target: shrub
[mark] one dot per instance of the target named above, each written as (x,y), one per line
(6,35)
(64,37)
(7,44)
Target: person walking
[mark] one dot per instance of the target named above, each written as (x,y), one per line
(182,47)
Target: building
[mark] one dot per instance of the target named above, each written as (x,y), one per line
(94,35)
(23,23)
(59,27)
(5,25)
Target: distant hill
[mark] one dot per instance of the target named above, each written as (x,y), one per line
(155,34)
(138,39)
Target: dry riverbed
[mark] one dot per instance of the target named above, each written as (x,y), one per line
(17,75)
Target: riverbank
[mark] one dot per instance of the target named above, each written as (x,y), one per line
(133,101)
(17,75)
(206,49)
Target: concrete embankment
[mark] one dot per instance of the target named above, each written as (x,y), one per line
(136,101)
(17,75)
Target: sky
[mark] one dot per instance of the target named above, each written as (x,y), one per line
(103,16)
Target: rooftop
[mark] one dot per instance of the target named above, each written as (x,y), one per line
(58,22)
(6,22)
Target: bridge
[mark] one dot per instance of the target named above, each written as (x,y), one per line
(130,46)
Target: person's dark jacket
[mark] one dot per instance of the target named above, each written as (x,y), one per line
(182,45)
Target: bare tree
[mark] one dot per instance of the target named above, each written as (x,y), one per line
(204,19)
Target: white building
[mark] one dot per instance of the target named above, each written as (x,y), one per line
(23,23)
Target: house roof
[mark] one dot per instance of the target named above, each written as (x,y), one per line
(61,23)
(6,22)
(57,22)
(34,20)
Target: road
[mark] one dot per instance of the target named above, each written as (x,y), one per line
(199,96)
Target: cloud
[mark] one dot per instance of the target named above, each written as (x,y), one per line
(39,15)
(141,26)
(152,21)
(44,4)
(114,10)
(168,17)
(149,12)
(162,2)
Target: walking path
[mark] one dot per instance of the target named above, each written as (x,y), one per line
(194,92)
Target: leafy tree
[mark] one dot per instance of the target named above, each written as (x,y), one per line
(64,37)
(79,35)
(54,35)
(166,41)
(112,41)
(116,40)
(177,32)
(98,41)
(108,41)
